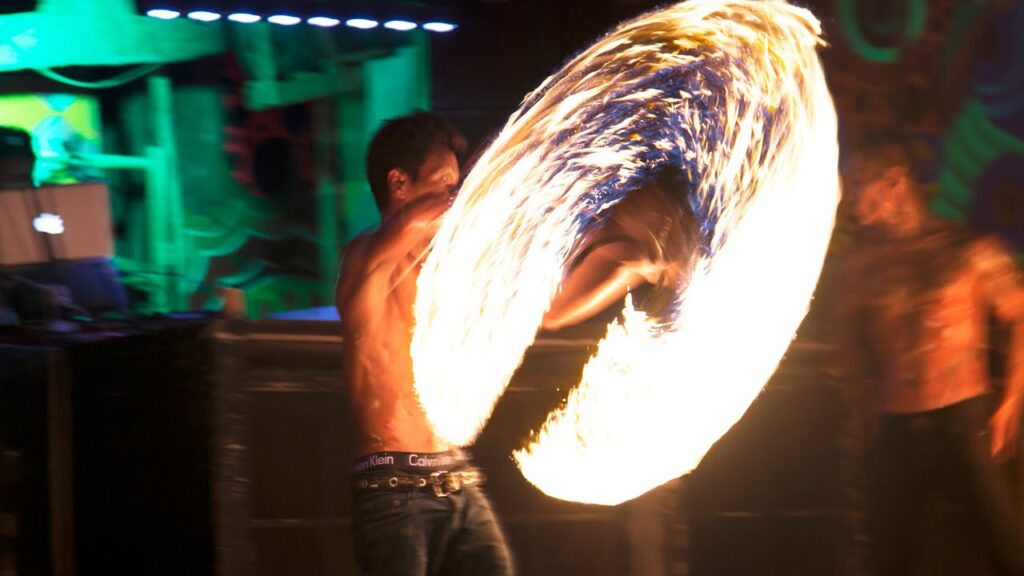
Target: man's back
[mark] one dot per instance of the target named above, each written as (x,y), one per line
(375,296)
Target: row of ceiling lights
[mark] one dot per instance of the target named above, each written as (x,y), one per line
(290,20)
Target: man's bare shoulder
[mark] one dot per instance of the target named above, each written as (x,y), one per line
(990,255)
(989,245)
(366,251)
(1000,276)
(353,256)
(355,267)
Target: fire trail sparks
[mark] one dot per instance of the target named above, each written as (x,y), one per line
(731,93)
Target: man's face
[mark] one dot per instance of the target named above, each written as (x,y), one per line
(884,202)
(438,174)
(875,202)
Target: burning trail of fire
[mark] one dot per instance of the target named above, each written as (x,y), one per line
(731,93)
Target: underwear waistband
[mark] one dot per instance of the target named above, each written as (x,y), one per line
(415,462)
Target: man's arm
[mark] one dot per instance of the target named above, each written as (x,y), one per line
(1004,287)
(600,278)
(649,238)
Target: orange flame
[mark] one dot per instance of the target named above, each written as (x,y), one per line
(760,132)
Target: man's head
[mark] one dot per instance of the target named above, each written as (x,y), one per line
(411,156)
(881,191)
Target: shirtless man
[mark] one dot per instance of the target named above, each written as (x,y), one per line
(418,507)
(921,291)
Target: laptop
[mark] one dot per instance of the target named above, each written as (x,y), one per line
(55,223)
(62,236)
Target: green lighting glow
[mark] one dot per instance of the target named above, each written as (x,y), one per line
(917,10)
(973,144)
(60,124)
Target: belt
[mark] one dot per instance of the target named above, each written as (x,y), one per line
(442,483)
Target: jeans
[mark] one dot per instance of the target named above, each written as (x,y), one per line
(414,533)
(915,454)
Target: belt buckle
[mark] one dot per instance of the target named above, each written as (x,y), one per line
(444,483)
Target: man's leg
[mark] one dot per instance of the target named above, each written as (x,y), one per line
(478,547)
(894,494)
(389,537)
(985,487)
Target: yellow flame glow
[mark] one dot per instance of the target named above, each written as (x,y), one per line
(653,399)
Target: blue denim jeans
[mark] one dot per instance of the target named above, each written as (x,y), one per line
(416,533)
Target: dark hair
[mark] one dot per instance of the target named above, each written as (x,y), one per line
(879,151)
(405,143)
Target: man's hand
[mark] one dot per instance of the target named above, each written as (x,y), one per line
(1005,428)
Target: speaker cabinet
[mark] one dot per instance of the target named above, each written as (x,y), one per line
(103,440)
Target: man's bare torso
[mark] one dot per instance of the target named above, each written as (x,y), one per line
(375,304)
(924,318)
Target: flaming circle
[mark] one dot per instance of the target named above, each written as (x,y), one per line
(731,93)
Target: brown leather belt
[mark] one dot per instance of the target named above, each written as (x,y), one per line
(442,483)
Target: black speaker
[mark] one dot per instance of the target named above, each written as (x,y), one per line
(104,440)
(33,538)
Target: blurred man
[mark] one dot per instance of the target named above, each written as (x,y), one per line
(920,292)
(418,507)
